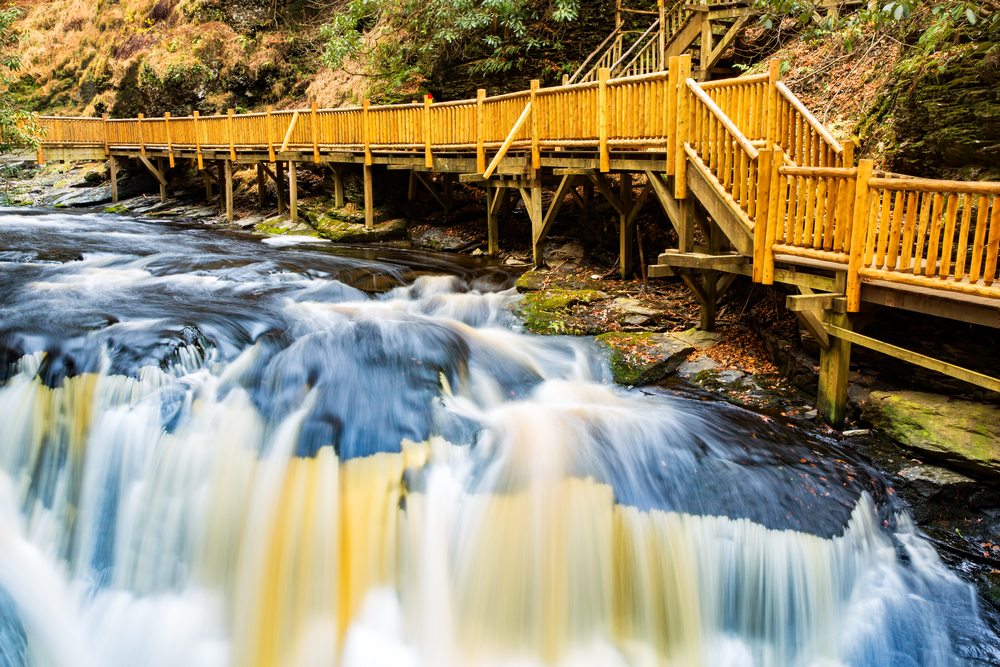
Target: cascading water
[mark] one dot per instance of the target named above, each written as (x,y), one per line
(220,451)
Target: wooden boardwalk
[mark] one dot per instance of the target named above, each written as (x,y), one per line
(753,184)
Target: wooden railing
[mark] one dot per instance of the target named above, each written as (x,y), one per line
(776,167)
(937,234)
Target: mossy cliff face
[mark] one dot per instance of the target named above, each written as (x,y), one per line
(940,115)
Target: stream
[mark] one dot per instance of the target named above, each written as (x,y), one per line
(220,450)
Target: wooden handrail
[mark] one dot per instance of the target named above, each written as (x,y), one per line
(594,53)
(809,118)
(734,131)
(930,185)
(656,24)
(288,134)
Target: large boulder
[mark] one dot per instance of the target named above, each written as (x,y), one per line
(960,434)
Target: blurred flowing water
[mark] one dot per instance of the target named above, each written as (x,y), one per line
(217,450)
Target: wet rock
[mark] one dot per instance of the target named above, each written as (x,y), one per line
(634,311)
(961,434)
(557,311)
(94,176)
(346,232)
(931,481)
(643,358)
(438,239)
(690,369)
(564,256)
(730,376)
(700,340)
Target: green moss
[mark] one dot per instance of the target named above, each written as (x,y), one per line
(117,209)
(550,311)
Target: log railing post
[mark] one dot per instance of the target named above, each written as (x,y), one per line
(536,158)
(270,134)
(670,115)
(197,143)
(170,142)
(859,232)
(848,155)
(314,127)
(602,117)
(107,148)
(773,76)
(683,126)
(232,136)
(428,157)
(761,213)
(366,131)
(142,141)
(480,131)
(775,216)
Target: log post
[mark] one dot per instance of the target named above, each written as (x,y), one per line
(107,148)
(114,178)
(369,199)
(170,140)
(411,191)
(229,190)
(480,131)
(834,367)
(535,214)
(492,231)
(232,136)
(314,128)
(366,128)
(208,183)
(449,181)
(428,158)
(270,135)
(773,76)
(261,182)
(683,126)
(536,159)
(280,167)
(625,229)
(142,141)
(602,117)
(197,145)
(859,234)
(293,191)
(163,186)
(706,46)
(338,185)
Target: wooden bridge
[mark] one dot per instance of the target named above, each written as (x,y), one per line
(753,184)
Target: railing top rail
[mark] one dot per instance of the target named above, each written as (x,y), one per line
(815,124)
(829,172)
(389,107)
(510,96)
(567,88)
(628,54)
(639,78)
(931,185)
(737,81)
(600,48)
(734,131)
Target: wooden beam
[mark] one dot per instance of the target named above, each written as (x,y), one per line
(508,141)
(814,326)
(550,215)
(624,228)
(288,134)
(261,185)
(114,178)
(695,260)
(369,198)
(798,303)
(441,198)
(727,39)
(605,189)
(293,191)
(163,182)
(280,182)
(338,185)
(952,370)
(229,190)
(153,170)
(639,203)
(494,196)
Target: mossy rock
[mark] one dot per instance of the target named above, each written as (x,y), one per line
(643,358)
(960,434)
(559,311)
